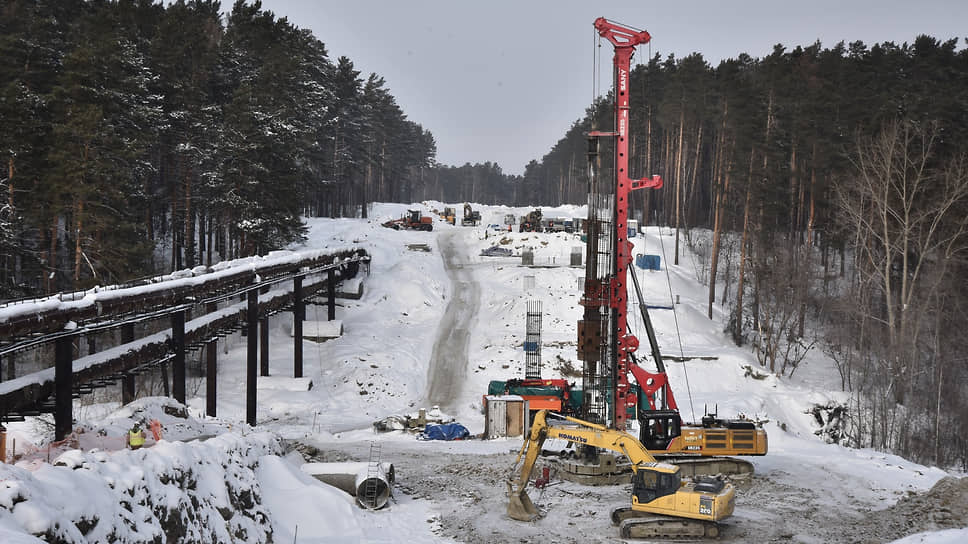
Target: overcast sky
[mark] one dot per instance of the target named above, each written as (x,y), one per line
(502,80)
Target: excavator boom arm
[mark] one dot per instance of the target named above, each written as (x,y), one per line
(580,432)
(657,488)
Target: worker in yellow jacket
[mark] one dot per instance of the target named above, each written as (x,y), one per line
(136,437)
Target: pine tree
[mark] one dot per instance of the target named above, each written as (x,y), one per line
(184,53)
(346,144)
(105,118)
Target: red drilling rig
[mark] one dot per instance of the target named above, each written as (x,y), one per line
(605,343)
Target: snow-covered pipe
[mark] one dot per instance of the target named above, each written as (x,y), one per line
(354,477)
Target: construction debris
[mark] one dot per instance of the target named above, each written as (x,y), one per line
(496,251)
(412,423)
(832,420)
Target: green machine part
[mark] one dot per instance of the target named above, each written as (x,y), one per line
(509,387)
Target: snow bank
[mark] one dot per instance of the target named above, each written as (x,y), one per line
(300,506)
(175,492)
(949,536)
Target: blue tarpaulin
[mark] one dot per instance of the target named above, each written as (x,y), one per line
(648,262)
(446,431)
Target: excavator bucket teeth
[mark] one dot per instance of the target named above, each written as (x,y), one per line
(521,508)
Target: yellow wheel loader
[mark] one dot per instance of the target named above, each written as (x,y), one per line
(663,506)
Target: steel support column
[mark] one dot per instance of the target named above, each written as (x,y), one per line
(178,362)
(211,372)
(331,288)
(252,362)
(11,367)
(165,389)
(298,314)
(127,383)
(264,346)
(63,378)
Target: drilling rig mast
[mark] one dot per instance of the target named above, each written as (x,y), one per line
(604,342)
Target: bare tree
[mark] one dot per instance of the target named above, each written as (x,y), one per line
(903,203)
(783,285)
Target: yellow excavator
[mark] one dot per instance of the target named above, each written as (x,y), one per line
(663,506)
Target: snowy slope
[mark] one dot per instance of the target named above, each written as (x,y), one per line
(379,368)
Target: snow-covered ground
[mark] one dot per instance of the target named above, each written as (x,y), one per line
(379,368)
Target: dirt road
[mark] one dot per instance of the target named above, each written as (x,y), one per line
(469,491)
(448,363)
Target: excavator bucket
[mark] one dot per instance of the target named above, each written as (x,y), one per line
(520,506)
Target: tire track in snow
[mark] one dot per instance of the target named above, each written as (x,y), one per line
(449,360)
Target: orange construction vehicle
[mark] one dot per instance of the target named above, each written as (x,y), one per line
(412,220)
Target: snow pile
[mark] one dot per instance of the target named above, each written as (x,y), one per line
(944,506)
(172,492)
(293,497)
(948,536)
(219,485)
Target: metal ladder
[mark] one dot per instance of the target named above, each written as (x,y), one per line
(371,489)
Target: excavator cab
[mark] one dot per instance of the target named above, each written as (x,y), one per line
(648,485)
(657,428)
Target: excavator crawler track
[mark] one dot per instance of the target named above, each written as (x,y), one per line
(692,466)
(669,528)
(634,524)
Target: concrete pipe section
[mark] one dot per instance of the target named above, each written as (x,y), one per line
(371,486)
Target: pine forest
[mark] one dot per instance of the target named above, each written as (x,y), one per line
(141,138)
